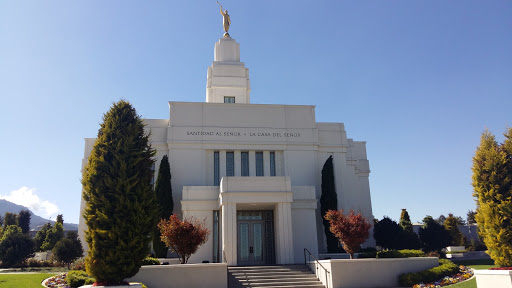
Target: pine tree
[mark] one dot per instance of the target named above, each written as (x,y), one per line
(163,191)
(10,219)
(24,221)
(450,224)
(492,185)
(120,202)
(433,235)
(386,233)
(41,236)
(54,235)
(328,201)
(405,221)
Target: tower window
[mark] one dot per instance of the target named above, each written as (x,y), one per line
(259,163)
(230,164)
(229,99)
(216,178)
(245,164)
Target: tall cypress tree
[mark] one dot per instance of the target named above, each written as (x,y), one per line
(328,201)
(492,185)
(24,221)
(120,201)
(163,191)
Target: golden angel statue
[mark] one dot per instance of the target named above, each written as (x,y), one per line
(226,20)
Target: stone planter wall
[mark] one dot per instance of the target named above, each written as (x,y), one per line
(493,278)
(369,273)
(211,275)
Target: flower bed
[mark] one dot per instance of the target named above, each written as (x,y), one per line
(56,281)
(464,274)
(501,268)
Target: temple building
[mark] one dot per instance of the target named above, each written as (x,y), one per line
(253,171)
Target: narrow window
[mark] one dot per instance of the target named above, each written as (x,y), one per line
(245,164)
(216,180)
(272,163)
(259,163)
(216,250)
(229,99)
(230,164)
(152,181)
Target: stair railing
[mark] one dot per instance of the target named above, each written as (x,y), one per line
(319,264)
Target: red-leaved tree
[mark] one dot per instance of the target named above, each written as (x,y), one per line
(351,229)
(183,237)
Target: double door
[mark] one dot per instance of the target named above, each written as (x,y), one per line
(251,248)
(255,238)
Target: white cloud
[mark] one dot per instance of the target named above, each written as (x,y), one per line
(26,197)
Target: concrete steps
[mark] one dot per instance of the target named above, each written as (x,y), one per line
(272,277)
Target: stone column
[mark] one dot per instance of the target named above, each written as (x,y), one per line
(266,163)
(229,234)
(252,163)
(238,163)
(222,164)
(284,241)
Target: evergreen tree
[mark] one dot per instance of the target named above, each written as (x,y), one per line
(450,224)
(53,236)
(405,221)
(163,191)
(470,217)
(68,249)
(328,201)
(24,221)
(10,219)
(15,247)
(120,202)
(492,185)
(41,236)
(386,233)
(433,235)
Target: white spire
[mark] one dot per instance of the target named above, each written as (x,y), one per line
(227,79)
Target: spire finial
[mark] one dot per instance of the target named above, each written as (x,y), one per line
(226,20)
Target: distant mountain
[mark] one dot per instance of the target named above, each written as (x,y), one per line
(35,221)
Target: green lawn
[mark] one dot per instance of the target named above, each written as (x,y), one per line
(23,280)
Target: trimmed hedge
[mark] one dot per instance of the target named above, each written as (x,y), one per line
(400,253)
(150,261)
(77,278)
(445,268)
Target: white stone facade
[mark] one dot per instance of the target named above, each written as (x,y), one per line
(253,171)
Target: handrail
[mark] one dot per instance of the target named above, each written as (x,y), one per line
(318,262)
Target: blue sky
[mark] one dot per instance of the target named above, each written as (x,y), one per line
(418,80)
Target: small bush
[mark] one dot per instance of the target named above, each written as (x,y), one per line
(400,253)
(150,261)
(40,263)
(77,278)
(445,268)
(79,264)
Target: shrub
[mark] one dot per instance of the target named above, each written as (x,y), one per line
(40,263)
(77,278)
(400,253)
(150,261)
(351,229)
(183,237)
(79,264)
(445,268)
